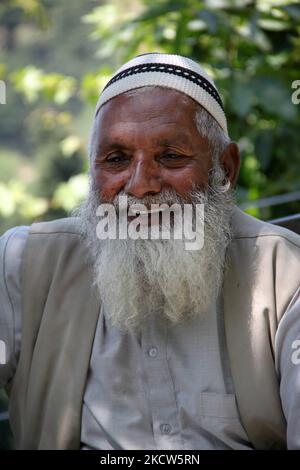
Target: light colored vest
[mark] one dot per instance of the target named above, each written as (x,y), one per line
(60,312)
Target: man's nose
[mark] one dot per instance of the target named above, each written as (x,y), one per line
(143,180)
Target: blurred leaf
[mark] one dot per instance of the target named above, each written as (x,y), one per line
(273,25)
(33,83)
(241,97)
(156,10)
(58,88)
(264,148)
(210,19)
(33,207)
(7,203)
(93,84)
(274,97)
(28,81)
(3,69)
(293,10)
(68,195)
(70,145)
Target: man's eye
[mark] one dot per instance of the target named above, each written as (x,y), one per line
(173,160)
(115,158)
(172,156)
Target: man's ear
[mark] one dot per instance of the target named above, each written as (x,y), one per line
(230,162)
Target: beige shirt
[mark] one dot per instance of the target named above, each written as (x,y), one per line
(171,388)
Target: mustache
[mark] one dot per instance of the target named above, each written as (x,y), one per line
(166,196)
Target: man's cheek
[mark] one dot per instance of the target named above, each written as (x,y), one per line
(109,185)
(183,184)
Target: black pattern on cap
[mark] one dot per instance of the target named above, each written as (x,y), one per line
(173,70)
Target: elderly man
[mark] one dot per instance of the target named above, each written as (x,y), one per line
(140,343)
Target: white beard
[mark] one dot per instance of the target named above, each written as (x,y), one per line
(141,278)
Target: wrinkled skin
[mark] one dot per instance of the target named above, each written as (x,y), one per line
(149,141)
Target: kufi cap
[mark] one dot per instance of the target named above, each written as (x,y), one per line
(171,71)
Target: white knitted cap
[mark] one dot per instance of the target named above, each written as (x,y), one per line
(170,71)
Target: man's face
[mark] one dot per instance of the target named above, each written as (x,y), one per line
(148,142)
(148,148)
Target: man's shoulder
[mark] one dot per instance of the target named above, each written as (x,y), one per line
(67,225)
(245,226)
(15,240)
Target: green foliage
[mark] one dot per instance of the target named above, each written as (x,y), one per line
(54,87)
(252,50)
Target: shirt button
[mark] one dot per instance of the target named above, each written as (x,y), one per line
(165,428)
(152,352)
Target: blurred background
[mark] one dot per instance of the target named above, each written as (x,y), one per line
(56,55)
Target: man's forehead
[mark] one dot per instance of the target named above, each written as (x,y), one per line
(163,116)
(153,101)
(117,139)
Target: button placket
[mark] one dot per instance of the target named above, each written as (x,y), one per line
(160,392)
